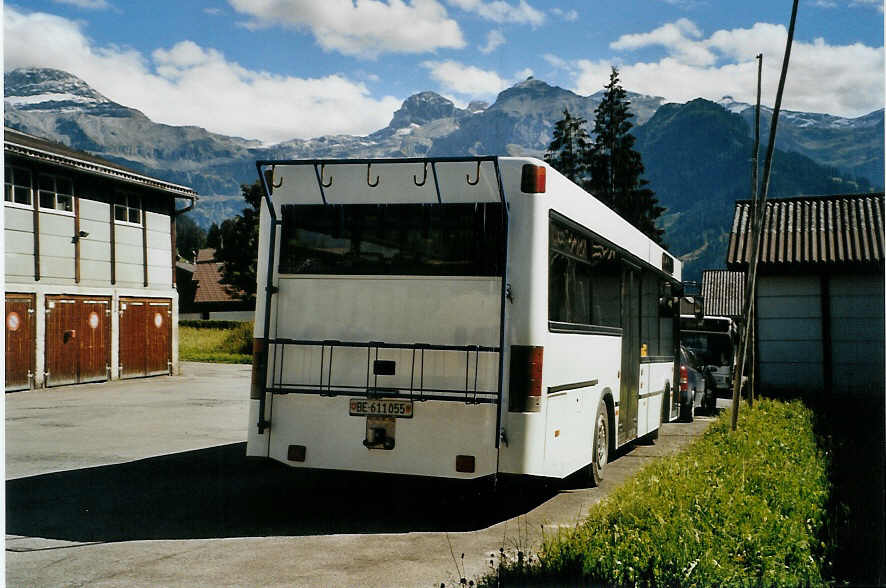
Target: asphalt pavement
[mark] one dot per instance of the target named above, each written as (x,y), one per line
(145,482)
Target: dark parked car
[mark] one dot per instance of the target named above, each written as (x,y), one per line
(693,389)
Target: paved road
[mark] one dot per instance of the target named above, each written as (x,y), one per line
(145,482)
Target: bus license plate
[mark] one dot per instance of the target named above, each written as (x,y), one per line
(380,407)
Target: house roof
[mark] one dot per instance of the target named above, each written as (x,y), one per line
(812,230)
(205,255)
(25,145)
(208,275)
(723,292)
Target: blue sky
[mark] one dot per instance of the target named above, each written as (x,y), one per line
(279,69)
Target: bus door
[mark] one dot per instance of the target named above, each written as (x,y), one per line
(630,352)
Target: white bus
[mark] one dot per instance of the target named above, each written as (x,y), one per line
(455,317)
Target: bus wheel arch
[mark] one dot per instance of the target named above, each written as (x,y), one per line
(610,413)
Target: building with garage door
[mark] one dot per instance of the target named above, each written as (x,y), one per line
(820,294)
(90,282)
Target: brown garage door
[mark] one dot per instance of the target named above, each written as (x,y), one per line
(95,321)
(19,341)
(145,337)
(77,337)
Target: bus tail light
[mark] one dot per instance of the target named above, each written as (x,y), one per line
(525,378)
(684,379)
(532,179)
(259,369)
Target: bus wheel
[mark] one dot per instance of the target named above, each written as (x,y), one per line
(601,446)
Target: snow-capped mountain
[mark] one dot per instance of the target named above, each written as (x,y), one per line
(61,107)
(852,145)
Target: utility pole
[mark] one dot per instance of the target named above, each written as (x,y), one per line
(757,217)
(754,194)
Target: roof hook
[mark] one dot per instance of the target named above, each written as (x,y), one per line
(477,179)
(368,170)
(273,168)
(322,172)
(424,179)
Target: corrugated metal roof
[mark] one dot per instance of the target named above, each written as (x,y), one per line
(723,292)
(19,143)
(812,230)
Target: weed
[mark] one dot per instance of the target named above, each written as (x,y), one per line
(737,508)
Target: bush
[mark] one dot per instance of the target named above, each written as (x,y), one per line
(239,339)
(209,343)
(746,508)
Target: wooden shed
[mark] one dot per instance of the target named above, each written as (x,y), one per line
(820,293)
(89,256)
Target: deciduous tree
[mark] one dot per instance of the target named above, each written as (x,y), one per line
(238,245)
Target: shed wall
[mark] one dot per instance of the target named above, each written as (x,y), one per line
(857,333)
(789,333)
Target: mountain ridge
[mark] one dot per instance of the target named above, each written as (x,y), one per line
(58,106)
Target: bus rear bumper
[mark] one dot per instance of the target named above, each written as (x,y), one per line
(442,439)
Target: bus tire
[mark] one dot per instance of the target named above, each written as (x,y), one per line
(600,446)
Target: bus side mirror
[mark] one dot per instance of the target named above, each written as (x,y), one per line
(666,306)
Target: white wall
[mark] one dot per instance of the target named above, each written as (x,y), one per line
(18,243)
(159,249)
(56,247)
(95,250)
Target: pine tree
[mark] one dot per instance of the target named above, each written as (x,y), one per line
(570,147)
(616,168)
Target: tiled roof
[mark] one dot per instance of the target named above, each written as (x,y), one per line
(723,292)
(204,255)
(812,230)
(208,275)
(25,145)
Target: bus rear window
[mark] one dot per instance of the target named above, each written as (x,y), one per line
(393,239)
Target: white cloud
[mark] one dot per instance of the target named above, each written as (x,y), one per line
(877,4)
(187,84)
(494,40)
(680,38)
(845,80)
(523,74)
(469,81)
(503,12)
(365,29)
(684,4)
(87,4)
(465,79)
(215,11)
(557,62)
(567,15)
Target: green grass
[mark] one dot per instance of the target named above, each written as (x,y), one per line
(231,345)
(749,508)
